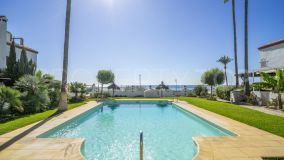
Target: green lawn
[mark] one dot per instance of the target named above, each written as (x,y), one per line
(75,105)
(29,119)
(24,121)
(267,122)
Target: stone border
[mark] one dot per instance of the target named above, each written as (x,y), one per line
(250,144)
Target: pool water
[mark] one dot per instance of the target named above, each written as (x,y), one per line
(111,131)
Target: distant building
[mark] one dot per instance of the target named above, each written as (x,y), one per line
(6,39)
(272,56)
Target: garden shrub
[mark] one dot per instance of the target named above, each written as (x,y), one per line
(212,98)
(79,89)
(98,95)
(76,99)
(9,101)
(54,93)
(275,102)
(34,94)
(259,86)
(200,91)
(53,88)
(191,94)
(252,99)
(223,92)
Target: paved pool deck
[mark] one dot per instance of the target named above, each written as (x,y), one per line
(31,148)
(250,144)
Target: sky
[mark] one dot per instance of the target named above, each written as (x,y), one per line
(162,40)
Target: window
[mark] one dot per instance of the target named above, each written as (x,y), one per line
(263,63)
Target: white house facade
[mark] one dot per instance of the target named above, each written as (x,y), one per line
(6,39)
(272,56)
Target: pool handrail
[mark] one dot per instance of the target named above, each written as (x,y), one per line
(141,145)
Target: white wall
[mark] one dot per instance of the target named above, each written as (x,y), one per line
(30,55)
(128,93)
(264,97)
(273,57)
(154,93)
(4,48)
(8,37)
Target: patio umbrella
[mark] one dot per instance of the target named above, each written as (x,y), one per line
(161,87)
(113,86)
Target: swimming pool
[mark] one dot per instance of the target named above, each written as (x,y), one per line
(111,131)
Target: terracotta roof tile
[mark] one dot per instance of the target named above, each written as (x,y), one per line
(23,47)
(271,44)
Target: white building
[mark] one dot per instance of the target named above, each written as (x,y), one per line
(272,56)
(6,39)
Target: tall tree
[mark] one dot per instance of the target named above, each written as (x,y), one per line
(23,64)
(235,41)
(246,75)
(11,61)
(212,78)
(225,60)
(63,95)
(31,67)
(105,77)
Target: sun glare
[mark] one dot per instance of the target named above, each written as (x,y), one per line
(109,2)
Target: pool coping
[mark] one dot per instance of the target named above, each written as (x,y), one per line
(250,144)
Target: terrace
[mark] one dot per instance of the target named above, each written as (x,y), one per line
(116,114)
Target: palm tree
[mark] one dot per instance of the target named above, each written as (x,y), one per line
(75,88)
(225,60)
(246,76)
(276,84)
(235,42)
(10,102)
(63,96)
